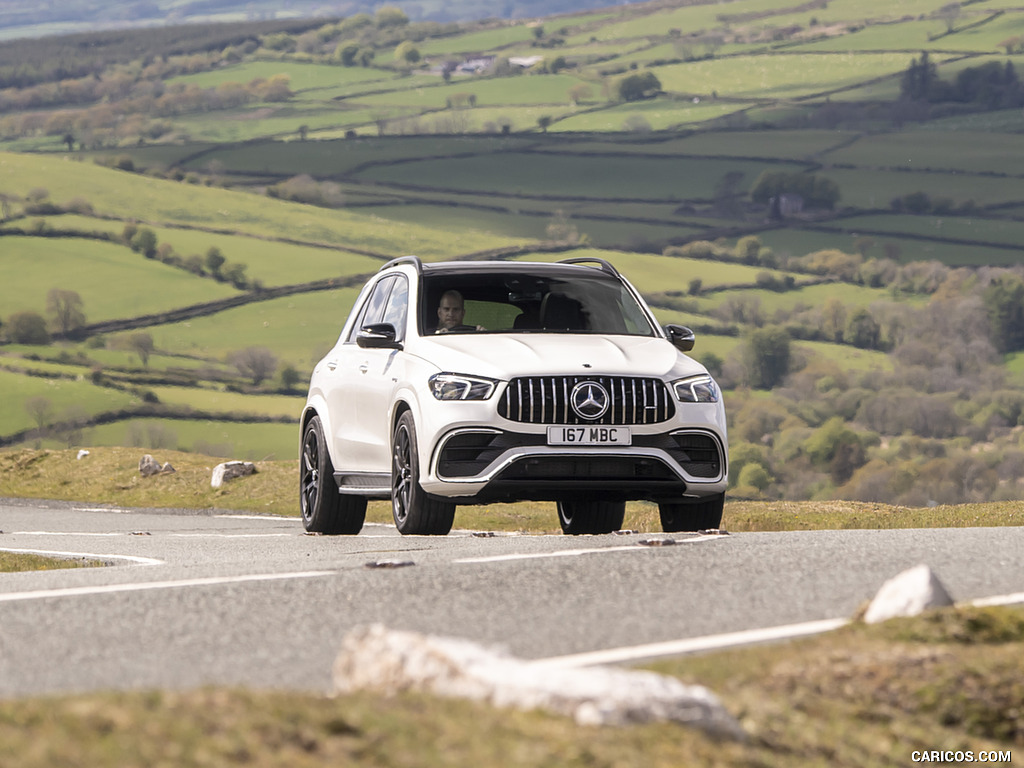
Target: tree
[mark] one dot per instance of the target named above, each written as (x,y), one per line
(640,85)
(26,328)
(562,229)
(214,260)
(255,363)
(862,331)
(949,14)
(142,345)
(65,309)
(833,319)
(543,122)
(235,274)
(290,377)
(1004,301)
(917,81)
(347,54)
(767,357)
(407,53)
(580,92)
(144,241)
(390,16)
(40,409)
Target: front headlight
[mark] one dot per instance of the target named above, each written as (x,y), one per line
(455,386)
(696,389)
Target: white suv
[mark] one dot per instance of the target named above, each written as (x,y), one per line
(561,387)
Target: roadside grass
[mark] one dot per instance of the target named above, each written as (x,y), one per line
(109,475)
(13,562)
(859,697)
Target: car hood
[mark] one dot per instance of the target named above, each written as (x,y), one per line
(503,356)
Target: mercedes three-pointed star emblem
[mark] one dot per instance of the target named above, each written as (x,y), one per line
(589,400)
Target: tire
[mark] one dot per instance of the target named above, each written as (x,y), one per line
(582,517)
(414,511)
(704,515)
(324,508)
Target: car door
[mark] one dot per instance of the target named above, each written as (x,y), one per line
(381,370)
(346,370)
(373,389)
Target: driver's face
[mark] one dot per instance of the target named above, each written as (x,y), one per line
(450,312)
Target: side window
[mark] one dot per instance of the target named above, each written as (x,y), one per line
(398,306)
(373,309)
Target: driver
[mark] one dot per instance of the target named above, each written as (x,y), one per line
(451,312)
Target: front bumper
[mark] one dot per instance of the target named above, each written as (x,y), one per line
(483,464)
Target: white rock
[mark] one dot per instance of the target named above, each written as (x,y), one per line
(229,470)
(387,661)
(149,466)
(908,594)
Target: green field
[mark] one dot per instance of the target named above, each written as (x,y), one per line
(112,280)
(250,442)
(298,329)
(67,399)
(569,176)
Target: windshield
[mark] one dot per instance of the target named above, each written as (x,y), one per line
(517,302)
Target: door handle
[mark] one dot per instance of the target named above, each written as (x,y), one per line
(364,368)
(332,365)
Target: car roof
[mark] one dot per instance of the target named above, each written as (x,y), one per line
(556,269)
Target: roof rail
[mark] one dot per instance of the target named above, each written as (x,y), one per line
(606,266)
(415,260)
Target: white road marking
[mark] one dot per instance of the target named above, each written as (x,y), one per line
(88,555)
(727,640)
(230,535)
(577,552)
(66,533)
(276,518)
(151,585)
(987,602)
(691,645)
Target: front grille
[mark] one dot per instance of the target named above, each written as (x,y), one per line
(545,400)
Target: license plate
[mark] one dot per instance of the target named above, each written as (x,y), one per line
(589,436)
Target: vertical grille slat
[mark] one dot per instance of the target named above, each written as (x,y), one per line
(546,400)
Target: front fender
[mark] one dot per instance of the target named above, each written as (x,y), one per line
(316,405)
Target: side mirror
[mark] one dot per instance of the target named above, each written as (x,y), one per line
(378,336)
(682,338)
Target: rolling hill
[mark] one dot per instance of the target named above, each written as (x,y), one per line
(231,195)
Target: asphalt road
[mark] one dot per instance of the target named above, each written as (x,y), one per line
(197,598)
